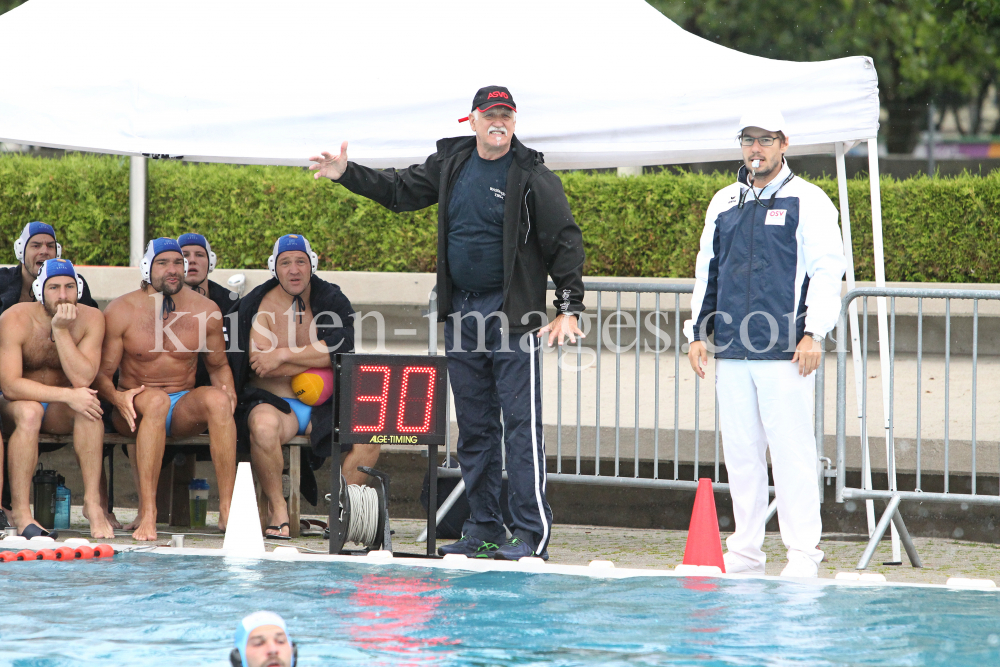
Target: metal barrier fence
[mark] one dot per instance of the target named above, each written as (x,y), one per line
(891,493)
(622,451)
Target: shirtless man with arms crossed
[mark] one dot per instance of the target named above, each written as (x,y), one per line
(152,338)
(50,352)
(285,341)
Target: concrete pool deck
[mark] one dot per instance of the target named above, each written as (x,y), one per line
(648,549)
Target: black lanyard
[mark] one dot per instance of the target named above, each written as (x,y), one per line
(743,195)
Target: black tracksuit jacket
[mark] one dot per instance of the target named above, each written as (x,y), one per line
(10,288)
(225,299)
(540,237)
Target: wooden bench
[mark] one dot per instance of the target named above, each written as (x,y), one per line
(172,505)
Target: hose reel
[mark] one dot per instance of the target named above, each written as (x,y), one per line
(364,515)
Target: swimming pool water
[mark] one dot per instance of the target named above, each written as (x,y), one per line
(143,609)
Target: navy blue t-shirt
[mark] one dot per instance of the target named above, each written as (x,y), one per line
(475,224)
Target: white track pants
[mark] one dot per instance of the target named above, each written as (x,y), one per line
(767,404)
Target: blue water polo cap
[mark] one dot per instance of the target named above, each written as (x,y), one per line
(197,239)
(251,623)
(33,229)
(288,243)
(50,269)
(155,248)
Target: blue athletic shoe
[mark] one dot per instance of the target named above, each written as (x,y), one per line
(517,548)
(470,547)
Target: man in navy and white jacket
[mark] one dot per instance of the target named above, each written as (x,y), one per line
(767,285)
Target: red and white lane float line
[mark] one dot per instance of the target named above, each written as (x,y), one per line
(14,549)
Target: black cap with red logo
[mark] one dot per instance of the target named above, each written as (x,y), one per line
(489,97)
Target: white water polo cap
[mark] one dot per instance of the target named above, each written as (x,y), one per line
(33,229)
(770,120)
(158,247)
(197,239)
(51,269)
(290,242)
(251,623)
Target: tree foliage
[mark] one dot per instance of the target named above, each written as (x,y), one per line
(7,5)
(940,229)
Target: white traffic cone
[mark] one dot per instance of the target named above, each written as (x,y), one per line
(243,536)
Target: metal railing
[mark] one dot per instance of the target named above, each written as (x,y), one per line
(593,457)
(891,492)
(581,449)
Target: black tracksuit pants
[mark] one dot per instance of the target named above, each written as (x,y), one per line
(485,379)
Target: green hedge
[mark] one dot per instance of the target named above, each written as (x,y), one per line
(945,229)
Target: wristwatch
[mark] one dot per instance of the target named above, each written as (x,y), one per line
(815,337)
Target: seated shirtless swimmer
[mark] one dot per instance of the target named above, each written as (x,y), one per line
(50,352)
(153,339)
(276,324)
(36,244)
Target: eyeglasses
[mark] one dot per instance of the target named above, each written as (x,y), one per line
(747,140)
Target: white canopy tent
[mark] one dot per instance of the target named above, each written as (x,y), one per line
(598,83)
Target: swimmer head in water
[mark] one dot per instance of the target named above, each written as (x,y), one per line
(262,641)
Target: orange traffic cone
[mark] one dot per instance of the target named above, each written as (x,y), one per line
(704,545)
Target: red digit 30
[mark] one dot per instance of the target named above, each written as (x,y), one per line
(382,399)
(427,399)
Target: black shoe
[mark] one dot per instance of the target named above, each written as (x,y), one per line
(516,548)
(471,547)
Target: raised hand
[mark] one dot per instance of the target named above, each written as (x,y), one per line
(329,166)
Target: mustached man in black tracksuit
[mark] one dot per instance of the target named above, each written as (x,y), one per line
(504,226)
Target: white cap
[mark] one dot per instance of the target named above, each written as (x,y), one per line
(251,623)
(766,119)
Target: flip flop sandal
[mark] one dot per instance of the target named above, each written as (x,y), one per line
(34,530)
(311,528)
(279,536)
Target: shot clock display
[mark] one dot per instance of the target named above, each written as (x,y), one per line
(392,399)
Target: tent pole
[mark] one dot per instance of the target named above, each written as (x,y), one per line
(883,325)
(845,225)
(137,189)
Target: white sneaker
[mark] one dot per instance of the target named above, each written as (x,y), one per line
(800,565)
(736,565)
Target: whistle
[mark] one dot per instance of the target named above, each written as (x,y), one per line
(755,164)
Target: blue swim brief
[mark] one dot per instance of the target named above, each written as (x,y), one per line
(174,397)
(302,412)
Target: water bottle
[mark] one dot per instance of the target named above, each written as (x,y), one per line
(45,483)
(63,497)
(198,499)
